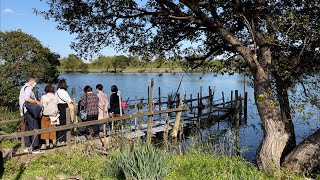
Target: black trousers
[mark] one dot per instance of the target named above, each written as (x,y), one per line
(31,124)
(61,135)
(94,128)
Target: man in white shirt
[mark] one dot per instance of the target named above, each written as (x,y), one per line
(27,95)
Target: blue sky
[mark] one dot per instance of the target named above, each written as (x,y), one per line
(18,14)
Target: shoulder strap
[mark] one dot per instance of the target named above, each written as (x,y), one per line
(60,97)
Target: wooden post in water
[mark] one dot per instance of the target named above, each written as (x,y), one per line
(223,99)
(231,100)
(68,122)
(159,101)
(237,121)
(198,116)
(245,108)
(191,102)
(148,93)
(240,106)
(177,122)
(150,119)
(236,106)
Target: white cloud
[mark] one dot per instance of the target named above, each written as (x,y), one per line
(8,11)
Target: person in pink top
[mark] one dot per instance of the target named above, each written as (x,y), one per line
(103,103)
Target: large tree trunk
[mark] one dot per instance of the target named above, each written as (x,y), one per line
(275,134)
(306,156)
(283,99)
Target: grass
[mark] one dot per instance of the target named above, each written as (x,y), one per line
(85,163)
(196,165)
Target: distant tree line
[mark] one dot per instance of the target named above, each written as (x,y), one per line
(119,63)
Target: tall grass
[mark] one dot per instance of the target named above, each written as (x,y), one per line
(143,161)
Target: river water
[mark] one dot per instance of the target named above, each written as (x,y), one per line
(136,85)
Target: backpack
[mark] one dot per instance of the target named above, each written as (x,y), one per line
(50,108)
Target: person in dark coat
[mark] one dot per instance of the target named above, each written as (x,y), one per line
(114,100)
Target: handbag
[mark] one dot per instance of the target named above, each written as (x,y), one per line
(34,110)
(83,112)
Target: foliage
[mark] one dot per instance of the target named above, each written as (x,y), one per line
(119,62)
(73,63)
(8,115)
(102,62)
(21,56)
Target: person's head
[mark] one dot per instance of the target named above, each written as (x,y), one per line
(32,81)
(99,87)
(87,89)
(49,89)
(62,84)
(114,88)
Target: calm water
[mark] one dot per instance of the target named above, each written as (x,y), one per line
(136,85)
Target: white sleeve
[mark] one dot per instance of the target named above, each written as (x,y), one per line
(66,97)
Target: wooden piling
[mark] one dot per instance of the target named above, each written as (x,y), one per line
(177,122)
(150,119)
(245,108)
(68,122)
(236,106)
(191,101)
(240,106)
(231,99)
(159,100)
(148,93)
(223,99)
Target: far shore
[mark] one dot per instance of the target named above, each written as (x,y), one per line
(132,70)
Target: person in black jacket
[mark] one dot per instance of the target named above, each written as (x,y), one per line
(114,101)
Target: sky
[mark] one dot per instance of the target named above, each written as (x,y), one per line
(18,15)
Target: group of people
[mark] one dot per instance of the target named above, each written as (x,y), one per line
(52,109)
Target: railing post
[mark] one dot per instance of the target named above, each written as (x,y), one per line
(23,129)
(1,159)
(104,128)
(150,119)
(177,122)
(68,122)
(75,120)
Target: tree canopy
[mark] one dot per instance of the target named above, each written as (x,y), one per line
(22,56)
(278,41)
(73,63)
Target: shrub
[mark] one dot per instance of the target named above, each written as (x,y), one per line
(143,161)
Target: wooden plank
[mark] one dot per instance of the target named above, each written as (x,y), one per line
(177,122)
